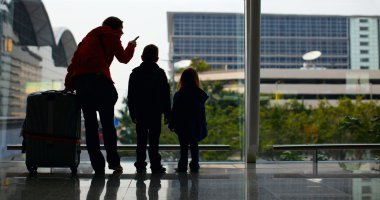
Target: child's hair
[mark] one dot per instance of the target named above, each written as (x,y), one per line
(188,78)
(150,53)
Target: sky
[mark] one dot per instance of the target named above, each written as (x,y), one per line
(148,19)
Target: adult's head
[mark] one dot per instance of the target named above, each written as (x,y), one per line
(189,78)
(150,53)
(113,22)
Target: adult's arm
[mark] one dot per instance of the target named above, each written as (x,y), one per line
(121,54)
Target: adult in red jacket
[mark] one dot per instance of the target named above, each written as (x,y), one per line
(89,75)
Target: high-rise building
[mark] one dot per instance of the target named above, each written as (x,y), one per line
(285,38)
(346,42)
(217,38)
(364,37)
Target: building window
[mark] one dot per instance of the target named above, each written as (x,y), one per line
(364,43)
(363,36)
(366,190)
(364,59)
(8,45)
(364,51)
(362,28)
(363,20)
(364,67)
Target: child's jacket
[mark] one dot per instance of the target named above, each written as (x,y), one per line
(188,112)
(148,93)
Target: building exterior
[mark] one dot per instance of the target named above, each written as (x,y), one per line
(310,85)
(347,67)
(215,38)
(346,42)
(364,36)
(33,57)
(285,38)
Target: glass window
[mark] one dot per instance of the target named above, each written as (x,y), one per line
(213,39)
(298,104)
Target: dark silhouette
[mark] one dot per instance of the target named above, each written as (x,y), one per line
(189,118)
(148,99)
(90,76)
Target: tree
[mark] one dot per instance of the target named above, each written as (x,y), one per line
(199,65)
(126,126)
(293,123)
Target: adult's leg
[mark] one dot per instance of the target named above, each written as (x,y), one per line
(142,134)
(92,138)
(106,115)
(107,96)
(184,145)
(154,141)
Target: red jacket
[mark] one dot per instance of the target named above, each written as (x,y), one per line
(91,57)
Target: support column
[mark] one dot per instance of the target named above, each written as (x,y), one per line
(252,78)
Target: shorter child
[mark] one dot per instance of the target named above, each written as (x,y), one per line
(189,118)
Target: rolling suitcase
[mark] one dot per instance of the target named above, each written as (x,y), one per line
(51,130)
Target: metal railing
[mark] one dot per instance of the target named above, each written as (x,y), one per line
(317,147)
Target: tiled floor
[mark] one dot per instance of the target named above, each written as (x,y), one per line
(214,181)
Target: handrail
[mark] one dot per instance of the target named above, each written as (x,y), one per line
(132,147)
(325,146)
(316,147)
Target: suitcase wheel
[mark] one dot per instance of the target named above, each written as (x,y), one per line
(32,169)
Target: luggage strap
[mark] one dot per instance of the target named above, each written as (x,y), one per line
(48,138)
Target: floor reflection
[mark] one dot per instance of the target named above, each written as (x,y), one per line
(47,188)
(153,189)
(214,181)
(97,186)
(185,193)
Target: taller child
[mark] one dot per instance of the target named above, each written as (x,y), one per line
(90,76)
(148,99)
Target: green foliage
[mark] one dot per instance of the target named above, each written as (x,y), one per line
(349,121)
(292,123)
(197,64)
(126,126)
(290,156)
(224,112)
